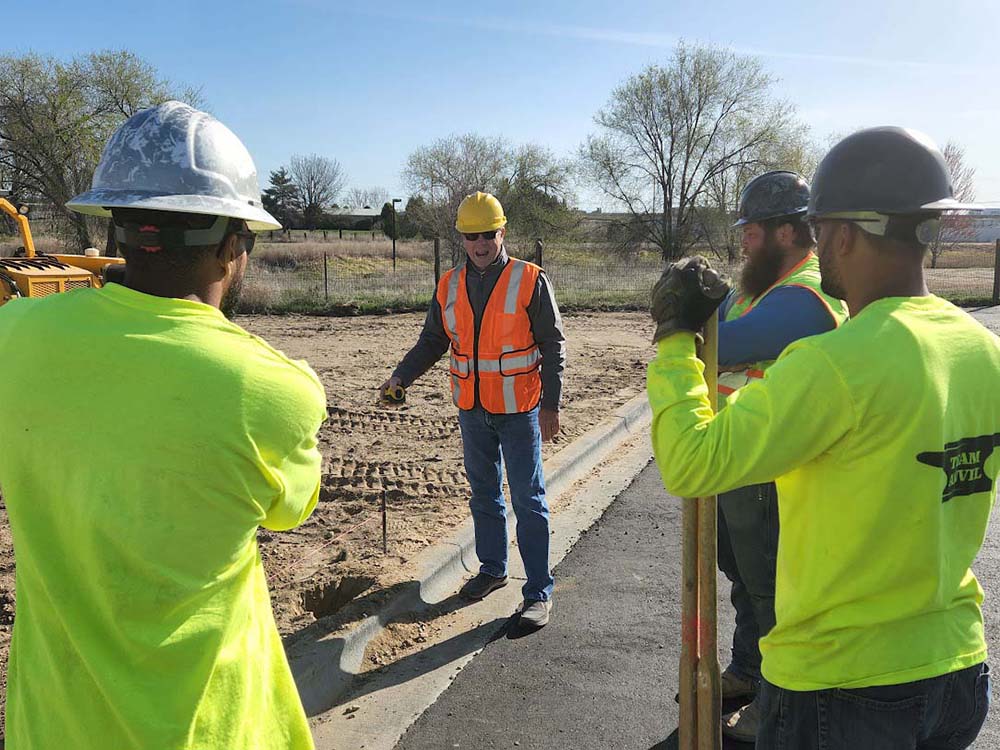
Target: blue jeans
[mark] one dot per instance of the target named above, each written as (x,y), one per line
(748,555)
(939,713)
(489,442)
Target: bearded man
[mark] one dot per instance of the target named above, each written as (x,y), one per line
(779,299)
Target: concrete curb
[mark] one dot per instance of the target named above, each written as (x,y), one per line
(324,666)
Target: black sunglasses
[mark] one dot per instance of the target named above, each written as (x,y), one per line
(248,237)
(473,236)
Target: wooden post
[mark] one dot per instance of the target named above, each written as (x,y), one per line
(996,274)
(340,233)
(324,235)
(305,236)
(700,726)
(437,261)
(385,525)
(538,251)
(326,282)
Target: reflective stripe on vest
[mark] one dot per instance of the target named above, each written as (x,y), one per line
(506,371)
(804,274)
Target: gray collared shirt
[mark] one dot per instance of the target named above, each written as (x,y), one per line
(543,313)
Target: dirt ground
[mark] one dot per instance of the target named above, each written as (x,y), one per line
(409,455)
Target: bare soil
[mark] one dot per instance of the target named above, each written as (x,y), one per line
(410,455)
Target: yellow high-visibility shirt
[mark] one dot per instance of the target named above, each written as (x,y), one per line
(142,442)
(881,437)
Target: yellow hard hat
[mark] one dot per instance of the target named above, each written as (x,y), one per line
(480,212)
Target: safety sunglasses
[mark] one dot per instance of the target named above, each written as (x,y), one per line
(248,237)
(473,236)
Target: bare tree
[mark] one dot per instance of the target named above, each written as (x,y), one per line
(319,180)
(667,132)
(956,228)
(372,197)
(530,181)
(788,147)
(56,116)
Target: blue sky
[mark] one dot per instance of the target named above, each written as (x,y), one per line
(367,83)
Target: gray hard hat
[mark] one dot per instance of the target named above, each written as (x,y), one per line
(886,170)
(176,158)
(773,194)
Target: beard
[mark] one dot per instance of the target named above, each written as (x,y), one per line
(231,297)
(760,271)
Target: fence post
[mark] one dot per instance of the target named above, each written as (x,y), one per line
(305,236)
(538,251)
(326,281)
(373,236)
(996,274)
(437,261)
(270,236)
(340,233)
(324,235)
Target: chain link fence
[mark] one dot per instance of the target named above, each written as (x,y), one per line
(312,276)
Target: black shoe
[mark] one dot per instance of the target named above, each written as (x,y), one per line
(477,588)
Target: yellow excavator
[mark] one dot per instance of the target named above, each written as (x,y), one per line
(39,275)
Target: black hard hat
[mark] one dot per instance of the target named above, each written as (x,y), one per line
(887,170)
(771,195)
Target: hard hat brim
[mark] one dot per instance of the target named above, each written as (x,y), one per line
(945,204)
(99,203)
(758,219)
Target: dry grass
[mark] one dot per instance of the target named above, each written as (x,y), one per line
(966,255)
(294,254)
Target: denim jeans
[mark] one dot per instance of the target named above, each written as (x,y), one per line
(939,713)
(748,555)
(490,442)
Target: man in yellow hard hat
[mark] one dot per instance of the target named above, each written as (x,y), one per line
(882,436)
(143,616)
(498,318)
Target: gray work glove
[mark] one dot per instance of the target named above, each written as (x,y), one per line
(685,297)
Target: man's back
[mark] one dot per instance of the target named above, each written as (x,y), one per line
(882,525)
(143,441)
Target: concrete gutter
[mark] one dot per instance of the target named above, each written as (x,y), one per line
(324,665)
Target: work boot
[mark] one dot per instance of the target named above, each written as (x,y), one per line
(742,725)
(734,686)
(478,587)
(534,613)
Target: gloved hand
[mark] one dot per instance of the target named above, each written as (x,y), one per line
(685,297)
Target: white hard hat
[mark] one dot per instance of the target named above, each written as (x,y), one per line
(175,158)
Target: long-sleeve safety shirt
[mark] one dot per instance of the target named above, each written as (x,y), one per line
(881,438)
(546,328)
(785,315)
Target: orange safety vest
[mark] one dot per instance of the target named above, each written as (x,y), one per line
(804,274)
(502,362)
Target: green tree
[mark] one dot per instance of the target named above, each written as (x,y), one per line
(388,218)
(282,199)
(56,116)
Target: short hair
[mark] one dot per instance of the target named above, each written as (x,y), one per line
(803,237)
(176,258)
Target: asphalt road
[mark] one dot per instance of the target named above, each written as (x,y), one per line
(603,674)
